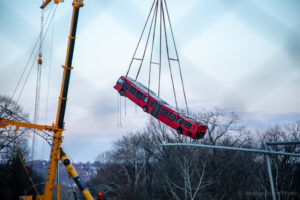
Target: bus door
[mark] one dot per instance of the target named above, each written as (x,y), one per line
(156,109)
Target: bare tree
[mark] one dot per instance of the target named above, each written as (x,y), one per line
(126,170)
(220,124)
(189,180)
(12,111)
(14,180)
(282,166)
(138,167)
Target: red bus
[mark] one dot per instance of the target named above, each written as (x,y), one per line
(152,104)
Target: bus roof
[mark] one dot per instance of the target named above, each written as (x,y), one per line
(183,113)
(145,89)
(193,119)
(141,86)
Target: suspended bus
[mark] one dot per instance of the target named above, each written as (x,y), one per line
(152,104)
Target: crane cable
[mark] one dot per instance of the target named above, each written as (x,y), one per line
(49,71)
(19,81)
(22,161)
(159,70)
(38,87)
(134,54)
(153,40)
(144,53)
(179,66)
(37,54)
(41,38)
(168,54)
(49,77)
(163,28)
(51,20)
(135,51)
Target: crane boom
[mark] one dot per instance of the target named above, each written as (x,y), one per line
(4,123)
(57,136)
(56,152)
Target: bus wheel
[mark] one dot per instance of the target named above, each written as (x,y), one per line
(179,130)
(121,92)
(145,108)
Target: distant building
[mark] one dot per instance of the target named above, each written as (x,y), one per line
(85,170)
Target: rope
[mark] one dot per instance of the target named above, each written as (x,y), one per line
(159,73)
(142,60)
(176,56)
(22,161)
(133,57)
(167,48)
(125,106)
(118,110)
(119,115)
(120,106)
(153,40)
(162,32)
(134,54)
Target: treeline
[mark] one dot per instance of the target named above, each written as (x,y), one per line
(138,167)
(14,181)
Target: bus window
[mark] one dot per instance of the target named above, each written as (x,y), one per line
(164,112)
(120,81)
(187,125)
(132,90)
(171,117)
(151,103)
(146,99)
(179,120)
(126,86)
(139,95)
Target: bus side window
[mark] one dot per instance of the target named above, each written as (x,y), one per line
(139,95)
(179,120)
(187,125)
(164,112)
(132,90)
(146,99)
(151,103)
(126,86)
(171,117)
(120,81)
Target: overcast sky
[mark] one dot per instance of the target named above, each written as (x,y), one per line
(239,55)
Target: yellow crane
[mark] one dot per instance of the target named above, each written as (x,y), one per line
(57,128)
